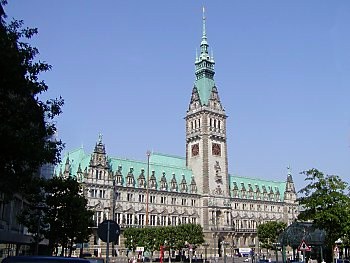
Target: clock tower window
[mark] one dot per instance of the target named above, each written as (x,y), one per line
(195,149)
(216,149)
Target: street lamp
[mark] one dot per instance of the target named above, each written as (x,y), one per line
(132,245)
(40,208)
(113,213)
(165,243)
(189,250)
(206,245)
(147,186)
(252,252)
(224,244)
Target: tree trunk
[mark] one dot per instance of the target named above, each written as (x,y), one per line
(70,247)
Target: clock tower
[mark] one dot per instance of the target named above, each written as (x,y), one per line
(206,149)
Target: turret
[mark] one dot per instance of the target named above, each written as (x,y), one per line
(289,193)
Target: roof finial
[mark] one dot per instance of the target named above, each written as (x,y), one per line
(100,137)
(288,168)
(204,33)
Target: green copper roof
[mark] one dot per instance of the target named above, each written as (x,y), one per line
(204,87)
(168,164)
(204,69)
(254,185)
(76,157)
(159,163)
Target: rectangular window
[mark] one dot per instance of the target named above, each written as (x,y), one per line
(129,219)
(152,199)
(163,221)
(98,217)
(194,220)
(117,196)
(141,198)
(141,219)
(184,201)
(129,197)
(163,200)
(193,202)
(173,200)
(174,220)
(153,220)
(118,218)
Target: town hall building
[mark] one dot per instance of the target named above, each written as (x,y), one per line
(198,188)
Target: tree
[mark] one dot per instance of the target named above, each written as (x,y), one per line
(190,233)
(26,121)
(326,203)
(32,214)
(268,234)
(58,211)
(172,237)
(67,212)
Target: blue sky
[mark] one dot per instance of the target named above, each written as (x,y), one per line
(126,69)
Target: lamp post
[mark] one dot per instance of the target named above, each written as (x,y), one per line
(147,186)
(252,252)
(169,246)
(132,246)
(224,244)
(40,208)
(190,253)
(189,250)
(206,245)
(113,215)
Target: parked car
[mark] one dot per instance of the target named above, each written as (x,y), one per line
(95,260)
(43,259)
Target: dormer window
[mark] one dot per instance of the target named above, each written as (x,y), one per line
(152,181)
(163,182)
(130,178)
(173,183)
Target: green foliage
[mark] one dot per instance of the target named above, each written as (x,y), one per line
(61,209)
(32,213)
(325,201)
(67,214)
(268,233)
(172,237)
(26,120)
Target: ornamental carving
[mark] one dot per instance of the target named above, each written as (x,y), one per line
(218,176)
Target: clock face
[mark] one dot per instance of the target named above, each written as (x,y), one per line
(195,149)
(216,149)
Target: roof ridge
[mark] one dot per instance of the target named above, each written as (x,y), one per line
(168,155)
(126,159)
(256,179)
(74,150)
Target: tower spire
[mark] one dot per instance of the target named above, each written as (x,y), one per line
(204,65)
(204,35)
(204,43)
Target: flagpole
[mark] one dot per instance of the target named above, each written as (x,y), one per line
(147,186)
